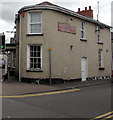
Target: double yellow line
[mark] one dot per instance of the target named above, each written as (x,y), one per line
(40,94)
(104,116)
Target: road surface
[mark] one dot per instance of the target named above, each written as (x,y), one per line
(89,102)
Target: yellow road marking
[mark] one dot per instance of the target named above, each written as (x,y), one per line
(108,117)
(104,115)
(40,94)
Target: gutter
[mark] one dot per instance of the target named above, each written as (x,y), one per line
(63,10)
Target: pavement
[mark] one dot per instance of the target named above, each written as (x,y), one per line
(14,87)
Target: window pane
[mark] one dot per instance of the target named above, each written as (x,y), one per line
(99,64)
(31,48)
(35,17)
(38,48)
(35,65)
(38,54)
(35,28)
(39,65)
(35,60)
(98,37)
(31,63)
(35,48)
(82,34)
(31,54)
(82,26)
(35,54)
(31,60)
(39,60)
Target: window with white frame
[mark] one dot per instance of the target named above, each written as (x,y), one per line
(99,35)
(82,30)
(35,23)
(34,57)
(100,57)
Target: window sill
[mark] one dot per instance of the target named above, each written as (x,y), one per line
(33,70)
(99,42)
(83,39)
(101,68)
(40,34)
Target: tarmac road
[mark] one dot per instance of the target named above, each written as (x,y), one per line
(89,102)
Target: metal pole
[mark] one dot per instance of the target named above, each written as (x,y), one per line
(50,65)
(98,11)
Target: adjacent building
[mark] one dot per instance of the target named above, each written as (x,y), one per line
(10,50)
(53,42)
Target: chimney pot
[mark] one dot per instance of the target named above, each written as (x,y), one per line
(78,9)
(89,7)
(85,8)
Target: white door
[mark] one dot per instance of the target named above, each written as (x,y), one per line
(84,68)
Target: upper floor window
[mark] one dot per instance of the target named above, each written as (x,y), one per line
(82,30)
(35,23)
(99,35)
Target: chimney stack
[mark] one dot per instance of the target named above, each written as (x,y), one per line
(86,12)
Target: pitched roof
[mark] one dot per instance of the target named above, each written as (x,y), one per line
(50,6)
(47,3)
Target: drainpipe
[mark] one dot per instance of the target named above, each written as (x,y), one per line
(20,50)
(50,65)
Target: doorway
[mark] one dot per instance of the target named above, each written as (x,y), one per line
(84,68)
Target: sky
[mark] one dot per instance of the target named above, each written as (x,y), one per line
(8,9)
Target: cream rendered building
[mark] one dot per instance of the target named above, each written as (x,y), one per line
(56,43)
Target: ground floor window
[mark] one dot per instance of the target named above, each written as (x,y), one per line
(34,57)
(100,56)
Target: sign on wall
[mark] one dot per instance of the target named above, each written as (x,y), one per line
(65,27)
